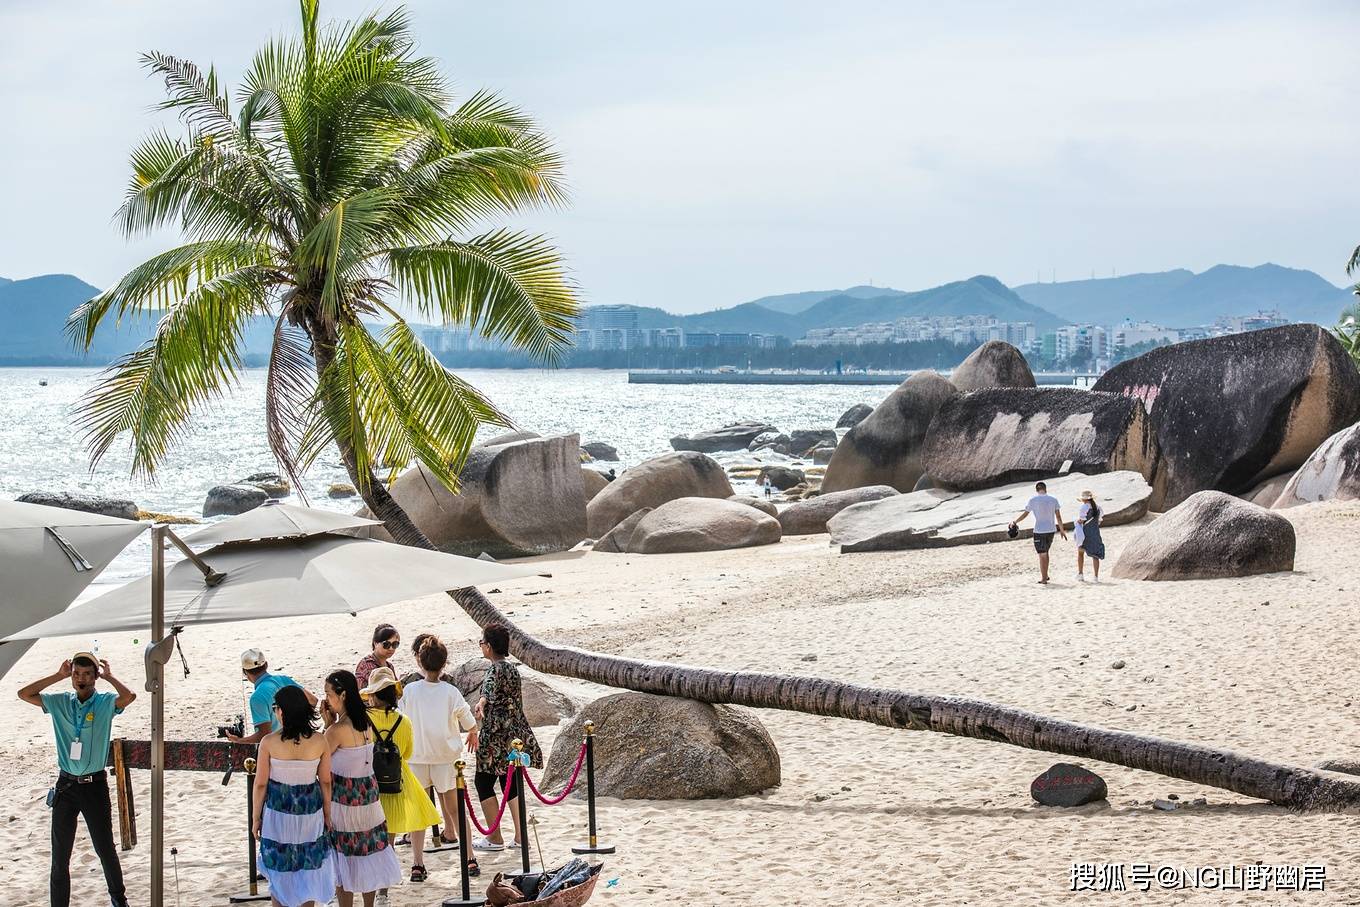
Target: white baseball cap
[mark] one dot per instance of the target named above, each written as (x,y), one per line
(252,659)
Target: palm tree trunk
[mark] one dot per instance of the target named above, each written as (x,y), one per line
(1287,785)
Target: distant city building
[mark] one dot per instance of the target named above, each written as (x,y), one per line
(974,329)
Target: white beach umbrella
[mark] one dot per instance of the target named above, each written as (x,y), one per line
(324,574)
(319,574)
(276,520)
(48,555)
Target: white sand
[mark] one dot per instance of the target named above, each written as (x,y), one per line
(865,815)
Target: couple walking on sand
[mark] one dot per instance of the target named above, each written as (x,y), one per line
(1048,521)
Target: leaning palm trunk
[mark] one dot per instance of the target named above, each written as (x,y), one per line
(1292,786)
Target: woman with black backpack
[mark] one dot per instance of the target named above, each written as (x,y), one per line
(404,802)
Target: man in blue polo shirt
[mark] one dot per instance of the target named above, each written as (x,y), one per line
(82,721)
(256,669)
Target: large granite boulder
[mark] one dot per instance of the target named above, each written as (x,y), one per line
(229,500)
(661,748)
(1209,535)
(771,440)
(1268,492)
(85,503)
(809,517)
(803,440)
(1332,473)
(592,482)
(764,505)
(509,438)
(854,415)
(885,448)
(599,450)
(616,540)
(936,518)
(516,499)
(994,364)
(1001,435)
(1231,411)
(271,483)
(702,524)
(781,477)
(736,436)
(544,705)
(821,456)
(651,483)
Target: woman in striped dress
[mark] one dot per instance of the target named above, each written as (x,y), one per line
(292,805)
(365,862)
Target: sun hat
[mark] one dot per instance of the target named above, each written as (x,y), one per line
(252,659)
(1086,496)
(380,679)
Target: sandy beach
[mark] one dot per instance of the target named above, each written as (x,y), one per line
(865,815)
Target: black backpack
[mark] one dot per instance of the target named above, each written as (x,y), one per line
(387,760)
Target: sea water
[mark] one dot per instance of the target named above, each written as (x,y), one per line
(42,449)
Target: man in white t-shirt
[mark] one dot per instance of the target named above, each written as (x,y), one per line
(439,717)
(1048,521)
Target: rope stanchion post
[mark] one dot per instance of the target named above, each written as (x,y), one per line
(437,844)
(594,845)
(253,892)
(520,759)
(464,852)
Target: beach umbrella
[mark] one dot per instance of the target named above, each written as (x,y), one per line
(276,520)
(318,573)
(324,574)
(48,555)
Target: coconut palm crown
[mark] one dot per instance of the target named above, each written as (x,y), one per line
(341,181)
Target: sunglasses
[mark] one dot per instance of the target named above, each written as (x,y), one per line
(390,644)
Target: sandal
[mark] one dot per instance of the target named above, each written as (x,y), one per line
(473,869)
(417,873)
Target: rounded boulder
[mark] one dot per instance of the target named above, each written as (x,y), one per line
(1210,535)
(702,524)
(652,483)
(885,448)
(994,364)
(702,752)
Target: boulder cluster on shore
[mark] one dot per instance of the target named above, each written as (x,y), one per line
(1266,420)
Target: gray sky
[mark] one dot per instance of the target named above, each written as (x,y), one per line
(723,151)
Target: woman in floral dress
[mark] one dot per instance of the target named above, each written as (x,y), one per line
(501,710)
(365,862)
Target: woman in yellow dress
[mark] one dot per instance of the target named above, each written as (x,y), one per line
(411,810)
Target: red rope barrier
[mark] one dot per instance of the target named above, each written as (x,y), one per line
(505,799)
(553,801)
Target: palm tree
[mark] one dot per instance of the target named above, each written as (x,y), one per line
(340,183)
(343,180)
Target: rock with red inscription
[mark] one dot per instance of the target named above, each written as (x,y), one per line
(1067,784)
(1229,412)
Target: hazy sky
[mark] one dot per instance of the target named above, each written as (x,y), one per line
(723,151)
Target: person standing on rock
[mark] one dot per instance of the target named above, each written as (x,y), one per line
(1048,521)
(1089,543)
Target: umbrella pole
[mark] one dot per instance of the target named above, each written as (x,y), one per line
(157,678)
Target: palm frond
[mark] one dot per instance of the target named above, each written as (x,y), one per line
(150,394)
(508,285)
(161,282)
(290,382)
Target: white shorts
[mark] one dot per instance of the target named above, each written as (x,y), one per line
(438,776)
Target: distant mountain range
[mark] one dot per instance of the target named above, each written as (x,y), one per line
(33,312)
(33,316)
(794,314)
(1182,298)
